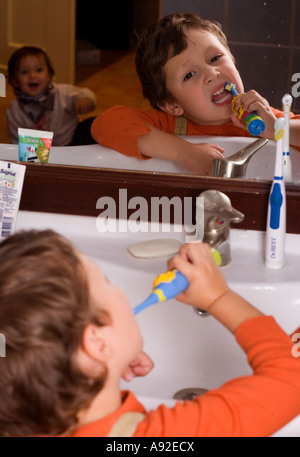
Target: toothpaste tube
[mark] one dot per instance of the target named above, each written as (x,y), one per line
(34,145)
(11,185)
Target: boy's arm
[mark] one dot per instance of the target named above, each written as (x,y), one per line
(197,158)
(80,100)
(142,134)
(86,101)
(256,405)
(208,289)
(295,132)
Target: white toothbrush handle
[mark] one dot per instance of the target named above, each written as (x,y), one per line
(287,167)
(287,163)
(276,227)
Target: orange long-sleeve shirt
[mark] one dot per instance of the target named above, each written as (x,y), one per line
(253,405)
(120,127)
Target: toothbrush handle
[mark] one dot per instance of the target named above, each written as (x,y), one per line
(166,286)
(252,121)
(170,284)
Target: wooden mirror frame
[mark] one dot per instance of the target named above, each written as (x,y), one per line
(75,190)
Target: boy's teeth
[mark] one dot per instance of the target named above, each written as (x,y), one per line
(219,91)
(221,96)
(223,99)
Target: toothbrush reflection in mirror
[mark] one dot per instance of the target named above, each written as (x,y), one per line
(252,121)
(287,164)
(168,285)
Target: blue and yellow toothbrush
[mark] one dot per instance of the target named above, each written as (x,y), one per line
(168,285)
(254,123)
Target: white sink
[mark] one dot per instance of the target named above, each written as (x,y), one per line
(261,165)
(188,350)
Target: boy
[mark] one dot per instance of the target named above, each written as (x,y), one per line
(44,105)
(71,334)
(183,63)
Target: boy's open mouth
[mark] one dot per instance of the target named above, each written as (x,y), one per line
(221,96)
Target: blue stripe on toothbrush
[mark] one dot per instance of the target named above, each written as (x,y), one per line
(276,200)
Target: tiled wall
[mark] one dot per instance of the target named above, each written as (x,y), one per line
(264,37)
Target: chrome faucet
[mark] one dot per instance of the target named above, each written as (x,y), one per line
(214,214)
(235,166)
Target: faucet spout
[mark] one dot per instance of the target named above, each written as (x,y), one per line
(235,166)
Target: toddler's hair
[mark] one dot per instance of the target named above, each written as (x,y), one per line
(162,41)
(17,56)
(44,307)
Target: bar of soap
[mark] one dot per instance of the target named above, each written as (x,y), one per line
(155,248)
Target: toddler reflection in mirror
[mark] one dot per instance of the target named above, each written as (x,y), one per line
(42,104)
(71,336)
(183,62)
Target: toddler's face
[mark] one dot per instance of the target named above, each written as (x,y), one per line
(32,76)
(196,79)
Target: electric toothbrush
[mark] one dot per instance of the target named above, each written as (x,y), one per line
(170,284)
(254,123)
(287,164)
(276,219)
(166,286)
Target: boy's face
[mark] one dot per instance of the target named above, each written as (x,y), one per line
(196,79)
(127,339)
(32,76)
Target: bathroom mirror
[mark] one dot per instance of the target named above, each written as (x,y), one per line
(254,30)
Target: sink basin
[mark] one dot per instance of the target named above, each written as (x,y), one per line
(261,165)
(188,350)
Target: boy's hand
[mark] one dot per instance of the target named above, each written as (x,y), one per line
(206,281)
(83,106)
(140,366)
(252,101)
(199,158)
(208,289)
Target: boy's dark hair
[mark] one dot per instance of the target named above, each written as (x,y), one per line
(17,56)
(44,307)
(162,41)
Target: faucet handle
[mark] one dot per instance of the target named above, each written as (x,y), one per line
(218,204)
(214,213)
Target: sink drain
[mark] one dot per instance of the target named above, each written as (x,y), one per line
(189,393)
